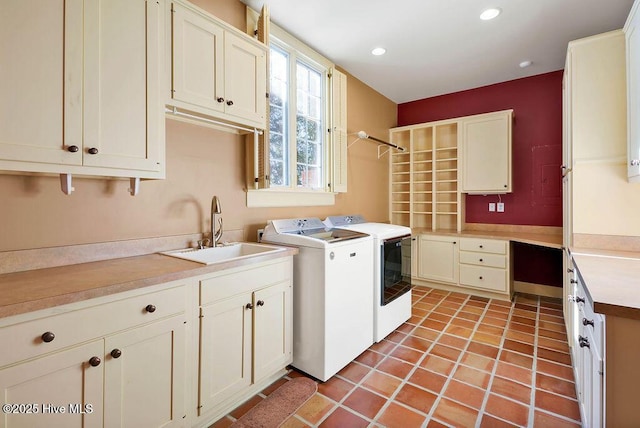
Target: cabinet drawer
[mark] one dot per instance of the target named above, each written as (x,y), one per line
(482,259)
(590,322)
(483,277)
(483,245)
(70,328)
(230,284)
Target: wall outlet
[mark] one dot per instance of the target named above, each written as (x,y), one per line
(500,207)
(492,207)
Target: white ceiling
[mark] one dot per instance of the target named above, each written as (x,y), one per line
(436,47)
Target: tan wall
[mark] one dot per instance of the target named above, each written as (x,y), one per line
(201,162)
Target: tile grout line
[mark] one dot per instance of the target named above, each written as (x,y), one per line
(416,365)
(487,393)
(534,367)
(372,422)
(425,353)
(360,383)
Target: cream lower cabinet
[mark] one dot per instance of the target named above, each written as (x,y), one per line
(116,364)
(484,263)
(470,265)
(438,258)
(588,347)
(217,70)
(81,87)
(144,376)
(245,331)
(46,387)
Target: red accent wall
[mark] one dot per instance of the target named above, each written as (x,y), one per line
(537,144)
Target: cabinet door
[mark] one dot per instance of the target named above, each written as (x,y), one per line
(438,258)
(123,120)
(245,69)
(486,151)
(632,36)
(145,376)
(198,75)
(62,380)
(225,349)
(273,329)
(41,84)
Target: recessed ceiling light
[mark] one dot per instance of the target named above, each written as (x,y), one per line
(525,64)
(490,13)
(378,51)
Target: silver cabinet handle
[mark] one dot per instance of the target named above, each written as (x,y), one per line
(634,162)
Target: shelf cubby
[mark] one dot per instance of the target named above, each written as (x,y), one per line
(432,171)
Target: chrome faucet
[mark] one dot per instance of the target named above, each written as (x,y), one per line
(215,211)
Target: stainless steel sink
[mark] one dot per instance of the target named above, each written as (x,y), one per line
(224,253)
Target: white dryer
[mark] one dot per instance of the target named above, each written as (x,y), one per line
(332,294)
(392,270)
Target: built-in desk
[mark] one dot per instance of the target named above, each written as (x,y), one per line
(534,255)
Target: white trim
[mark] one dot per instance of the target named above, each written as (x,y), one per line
(288,198)
(282,37)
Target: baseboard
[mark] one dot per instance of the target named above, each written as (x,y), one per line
(537,289)
(456,288)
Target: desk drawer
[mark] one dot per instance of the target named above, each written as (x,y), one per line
(483,245)
(29,339)
(483,259)
(487,278)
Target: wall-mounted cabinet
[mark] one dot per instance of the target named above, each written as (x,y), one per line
(632,38)
(445,159)
(486,153)
(216,70)
(81,88)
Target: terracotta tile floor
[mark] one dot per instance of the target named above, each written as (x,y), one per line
(460,361)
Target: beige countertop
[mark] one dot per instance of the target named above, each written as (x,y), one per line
(612,279)
(550,240)
(32,290)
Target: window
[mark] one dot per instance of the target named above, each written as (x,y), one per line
(301,161)
(297,117)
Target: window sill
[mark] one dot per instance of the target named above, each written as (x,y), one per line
(288,198)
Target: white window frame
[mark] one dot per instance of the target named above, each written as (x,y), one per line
(292,195)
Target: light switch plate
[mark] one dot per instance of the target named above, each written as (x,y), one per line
(500,207)
(492,207)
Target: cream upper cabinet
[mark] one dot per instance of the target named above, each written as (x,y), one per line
(438,258)
(81,84)
(217,71)
(632,37)
(41,85)
(123,117)
(486,153)
(198,45)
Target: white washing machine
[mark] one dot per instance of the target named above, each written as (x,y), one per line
(332,295)
(392,267)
